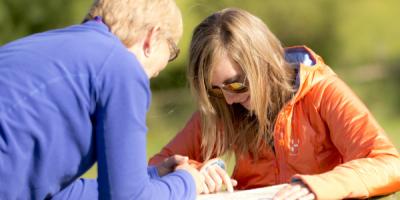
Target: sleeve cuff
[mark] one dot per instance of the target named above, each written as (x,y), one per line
(188,180)
(152,171)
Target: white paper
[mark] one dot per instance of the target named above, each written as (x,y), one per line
(265,193)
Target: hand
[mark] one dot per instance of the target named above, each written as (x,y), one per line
(295,191)
(216,176)
(197,176)
(169,164)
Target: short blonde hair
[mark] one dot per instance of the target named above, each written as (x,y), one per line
(128,19)
(248,42)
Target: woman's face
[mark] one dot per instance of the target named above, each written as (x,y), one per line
(225,72)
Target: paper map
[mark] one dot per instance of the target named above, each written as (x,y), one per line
(265,193)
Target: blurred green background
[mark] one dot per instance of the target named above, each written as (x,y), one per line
(359,39)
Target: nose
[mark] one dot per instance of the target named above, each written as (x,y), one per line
(231,98)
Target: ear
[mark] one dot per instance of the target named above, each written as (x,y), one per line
(150,40)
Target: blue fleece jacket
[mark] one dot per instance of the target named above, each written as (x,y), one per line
(71,97)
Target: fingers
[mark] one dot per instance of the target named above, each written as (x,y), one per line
(212,176)
(174,160)
(295,191)
(225,178)
(298,192)
(234,182)
(169,164)
(283,193)
(308,197)
(198,177)
(207,185)
(216,177)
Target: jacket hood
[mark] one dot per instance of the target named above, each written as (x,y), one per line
(311,69)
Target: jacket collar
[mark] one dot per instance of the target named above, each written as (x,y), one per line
(311,69)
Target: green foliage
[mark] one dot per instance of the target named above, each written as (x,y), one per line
(344,33)
(23,17)
(368,32)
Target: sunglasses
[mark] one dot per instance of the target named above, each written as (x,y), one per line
(234,87)
(173,49)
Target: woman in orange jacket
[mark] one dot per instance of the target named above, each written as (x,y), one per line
(283,113)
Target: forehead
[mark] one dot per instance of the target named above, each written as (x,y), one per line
(224,68)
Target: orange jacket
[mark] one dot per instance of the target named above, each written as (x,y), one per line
(324,136)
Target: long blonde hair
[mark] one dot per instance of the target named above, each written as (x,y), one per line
(127,19)
(250,44)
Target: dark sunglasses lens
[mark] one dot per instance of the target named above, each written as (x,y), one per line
(236,87)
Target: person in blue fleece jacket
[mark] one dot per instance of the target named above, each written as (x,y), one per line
(78,95)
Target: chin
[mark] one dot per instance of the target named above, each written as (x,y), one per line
(155,74)
(246,104)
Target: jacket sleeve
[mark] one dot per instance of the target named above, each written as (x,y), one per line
(371,163)
(122,101)
(187,142)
